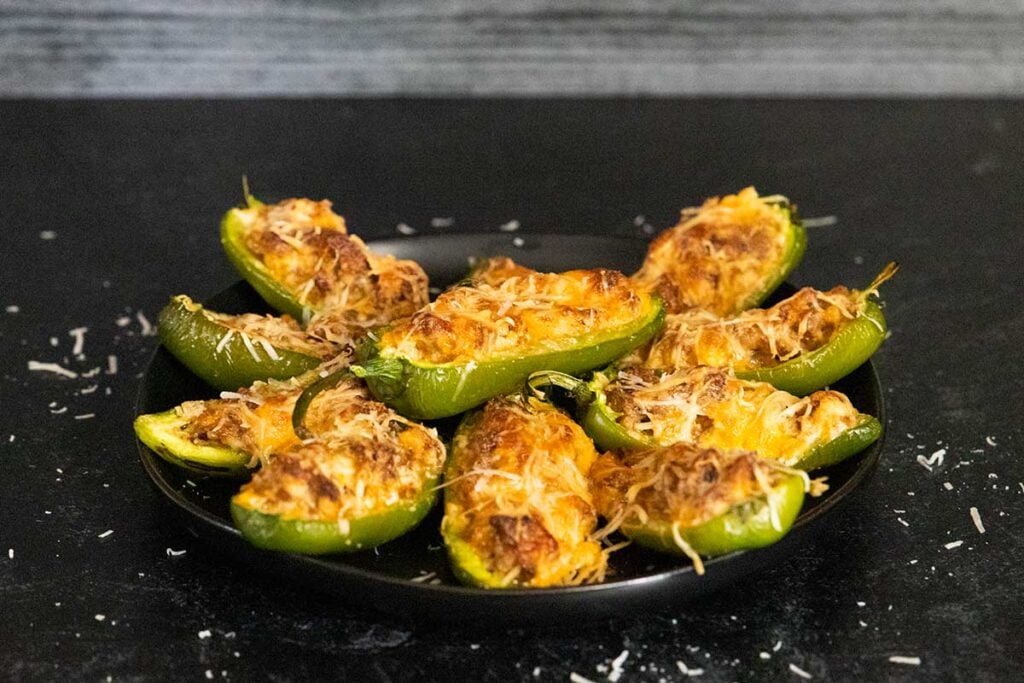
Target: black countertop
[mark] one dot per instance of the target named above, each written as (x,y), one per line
(109,207)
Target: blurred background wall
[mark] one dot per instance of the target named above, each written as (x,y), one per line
(522,47)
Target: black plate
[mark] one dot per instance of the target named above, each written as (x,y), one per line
(384,579)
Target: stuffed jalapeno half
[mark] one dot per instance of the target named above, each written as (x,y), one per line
(300,258)
(639,408)
(726,255)
(805,342)
(476,342)
(694,501)
(365,476)
(518,509)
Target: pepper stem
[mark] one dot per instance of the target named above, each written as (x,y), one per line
(890,269)
(581,394)
(250,201)
(306,399)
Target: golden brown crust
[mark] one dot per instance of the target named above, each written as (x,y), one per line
(680,484)
(544,311)
(363,458)
(518,494)
(712,409)
(718,256)
(753,339)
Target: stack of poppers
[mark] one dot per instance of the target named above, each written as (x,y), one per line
(660,408)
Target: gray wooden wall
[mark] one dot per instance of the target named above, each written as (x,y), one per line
(520,47)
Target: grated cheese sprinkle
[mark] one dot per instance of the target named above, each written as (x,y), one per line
(147,327)
(616,672)
(976,517)
(51,367)
(799,672)
(79,334)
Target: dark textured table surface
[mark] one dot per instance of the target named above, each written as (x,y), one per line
(109,207)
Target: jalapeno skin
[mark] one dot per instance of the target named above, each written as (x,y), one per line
(853,440)
(162,433)
(467,565)
(423,391)
(745,526)
(232,238)
(196,341)
(317,537)
(845,352)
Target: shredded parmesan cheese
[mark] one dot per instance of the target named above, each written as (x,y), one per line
(51,367)
(976,518)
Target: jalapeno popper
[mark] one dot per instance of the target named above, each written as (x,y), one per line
(366,476)
(694,501)
(803,343)
(476,342)
(725,256)
(232,351)
(300,258)
(640,408)
(518,509)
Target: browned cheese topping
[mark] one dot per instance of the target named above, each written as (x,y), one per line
(719,255)
(753,339)
(680,484)
(255,420)
(306,247)
(712,409)
(535,313)
(258,420)
(519,494)
(363,459)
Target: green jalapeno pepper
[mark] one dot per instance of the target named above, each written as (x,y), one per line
(845,352)
(351,486)
(824,336)
(164,434)
(518,509)
(227,358)
(604,425)
(316,537)
(686,500)
(424,390)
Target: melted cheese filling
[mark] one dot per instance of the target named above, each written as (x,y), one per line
(719,255)
(712,409)
(518,494)
(754,339)
(536,313)
(680,484)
